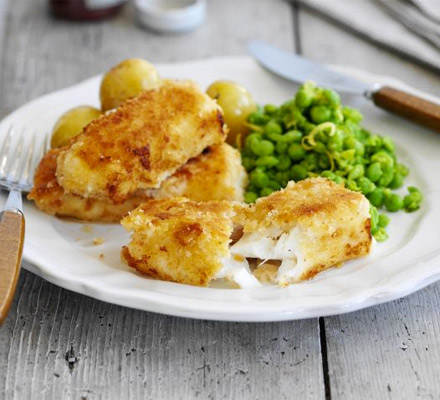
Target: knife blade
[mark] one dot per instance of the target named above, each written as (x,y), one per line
(299,69)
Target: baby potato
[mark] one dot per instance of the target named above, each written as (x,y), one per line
(236,103)
(71,124)
(127,80)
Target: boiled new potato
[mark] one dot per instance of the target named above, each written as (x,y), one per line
(127,80)
(71,124)
(236,103)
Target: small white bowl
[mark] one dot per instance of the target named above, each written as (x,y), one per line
(171,16)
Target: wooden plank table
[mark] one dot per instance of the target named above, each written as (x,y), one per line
(57,344)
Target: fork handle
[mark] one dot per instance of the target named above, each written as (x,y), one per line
(11,249)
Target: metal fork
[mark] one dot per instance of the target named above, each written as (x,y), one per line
(17,164)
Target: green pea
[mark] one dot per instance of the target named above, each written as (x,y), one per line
(258,178)
(397,181)
(393,202)
(374,172)
(332,97)
(338,179)
(388,144)
(365,185)
(384,220)
(272,127)
(356,172)
(270,108)
(386,178)
(377,197)
(351,114)
(352,185)
(350,143)
(296,152)
(348,155)
(383,158)
(402,170)
(308,127)
(337,116)
(381,234)
(262,148)
(266,192)
(303,98)
(284,163)
(292,136)
(335,142)
(413,200)
(274,185)
(257,118)
(320,148)
(250,197)
(298,173)
(374,218)
(251,138)
(281,147)
(320,114)
(328,174)
(267,161)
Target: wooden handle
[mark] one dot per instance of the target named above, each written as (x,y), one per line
(11,248)
(408,106)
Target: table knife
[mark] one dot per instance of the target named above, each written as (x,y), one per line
(299,69)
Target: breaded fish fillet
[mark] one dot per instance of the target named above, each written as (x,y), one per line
(180,240)
(292,235)
(51,198)
(216,174)
(309,226)
(141,143)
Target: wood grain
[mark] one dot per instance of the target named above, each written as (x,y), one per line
(11,248)
(61,345)
(408,106)
(392,350)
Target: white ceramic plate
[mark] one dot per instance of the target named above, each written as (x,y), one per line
(63,252)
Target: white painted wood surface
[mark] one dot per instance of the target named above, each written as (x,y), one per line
(389,351)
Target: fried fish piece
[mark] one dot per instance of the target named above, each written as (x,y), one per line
(51,198)
(291,235)
(309,226)
(216,174)
(141,143)
(183,241)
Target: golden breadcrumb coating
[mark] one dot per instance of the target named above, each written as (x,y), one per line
(216,174)
(141,143)
(51,198)
(179,240)
(332,223)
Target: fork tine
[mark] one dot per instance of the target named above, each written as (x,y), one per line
(42,149)
(27,164)
(15,159)
(5,150)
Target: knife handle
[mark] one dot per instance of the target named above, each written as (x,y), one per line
(11,248)
(408,106)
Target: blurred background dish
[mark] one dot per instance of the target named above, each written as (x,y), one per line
(171,16)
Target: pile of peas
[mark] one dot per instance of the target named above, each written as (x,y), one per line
(313,135)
